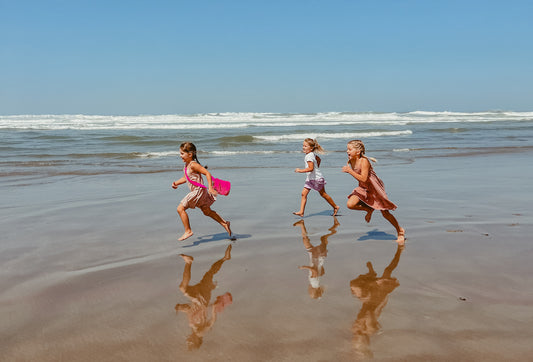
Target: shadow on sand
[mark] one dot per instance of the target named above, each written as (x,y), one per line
(377,235)
(217,237)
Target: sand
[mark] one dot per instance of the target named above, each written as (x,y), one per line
(90,268)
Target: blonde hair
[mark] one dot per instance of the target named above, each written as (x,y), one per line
(315,147)
(360,146)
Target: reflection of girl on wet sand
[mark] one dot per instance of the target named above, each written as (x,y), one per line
(317,257)
(200,295)
(373,293)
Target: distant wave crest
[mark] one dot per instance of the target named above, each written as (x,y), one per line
(345,135)
(243,120)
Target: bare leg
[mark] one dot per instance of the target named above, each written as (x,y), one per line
(208,276)
(333,229)
(329,200)
(215,216)
(185,220)
(303,202)
(305,238)
(186,272)
(227,254)
(401,232)
(354,203)
(393,264)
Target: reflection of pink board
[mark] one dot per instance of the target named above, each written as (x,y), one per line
(222,301)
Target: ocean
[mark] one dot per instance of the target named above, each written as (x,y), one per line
(50,147)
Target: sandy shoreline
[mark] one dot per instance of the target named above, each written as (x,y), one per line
(90,268)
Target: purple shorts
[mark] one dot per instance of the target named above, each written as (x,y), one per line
(317,185)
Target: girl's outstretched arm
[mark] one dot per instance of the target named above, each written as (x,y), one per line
(181,181)
(196,167)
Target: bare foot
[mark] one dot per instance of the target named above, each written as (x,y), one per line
(226,226)
(368,215)
(298,222)
(336,210)
(401,240)
(188,259)
(401,232)
(401,237)
(301,214)
(227,255)
(186,235)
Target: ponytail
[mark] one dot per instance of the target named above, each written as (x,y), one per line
(313,143)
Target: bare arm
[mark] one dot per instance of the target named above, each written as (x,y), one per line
(213,316)
(310,168)
(181,181)
(365,170)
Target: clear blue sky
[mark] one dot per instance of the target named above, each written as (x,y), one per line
(162,57)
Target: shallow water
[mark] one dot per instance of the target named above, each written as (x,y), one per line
(62,145)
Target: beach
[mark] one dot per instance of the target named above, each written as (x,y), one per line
(91,266)
(112,112)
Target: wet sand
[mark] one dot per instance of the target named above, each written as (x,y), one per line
(90,268)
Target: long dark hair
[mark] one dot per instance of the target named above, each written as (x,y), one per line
(189,147)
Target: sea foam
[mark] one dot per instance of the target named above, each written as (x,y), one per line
(244,120)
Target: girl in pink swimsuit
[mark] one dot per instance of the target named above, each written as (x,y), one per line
(370,194)
(198,196)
